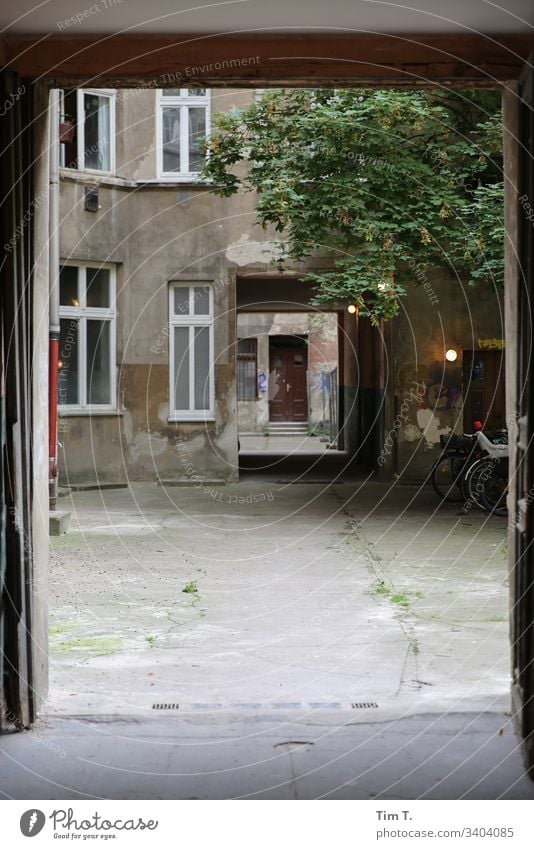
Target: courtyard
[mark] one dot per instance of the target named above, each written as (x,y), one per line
(274,640)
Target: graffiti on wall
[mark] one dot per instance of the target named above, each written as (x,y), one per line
(438,408)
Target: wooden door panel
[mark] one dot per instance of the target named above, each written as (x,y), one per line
(483,385)
(288,393)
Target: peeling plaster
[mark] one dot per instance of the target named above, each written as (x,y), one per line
(247,252)
(429,424)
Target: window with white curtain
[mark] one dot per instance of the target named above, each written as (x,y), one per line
(182,129)
(86,375)
(91,146)
(191,388)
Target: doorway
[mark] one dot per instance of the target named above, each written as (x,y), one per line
(484,389)
(288,369)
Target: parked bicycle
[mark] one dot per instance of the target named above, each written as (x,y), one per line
(473,468)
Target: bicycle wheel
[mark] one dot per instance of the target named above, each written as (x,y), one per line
(494,496)
(446,475)
(475,479)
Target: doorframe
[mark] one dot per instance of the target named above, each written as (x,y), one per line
(383,60)
(304,346)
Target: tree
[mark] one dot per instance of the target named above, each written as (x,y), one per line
(384,183)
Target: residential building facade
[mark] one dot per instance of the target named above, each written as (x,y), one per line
(164,335)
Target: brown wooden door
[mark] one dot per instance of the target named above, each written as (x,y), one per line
(484,396)
(288,397)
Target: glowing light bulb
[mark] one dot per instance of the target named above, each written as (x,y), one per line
(352,308)
(451,355)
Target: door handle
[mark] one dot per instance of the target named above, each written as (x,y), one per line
(288,387)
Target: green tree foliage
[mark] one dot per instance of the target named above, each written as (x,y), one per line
(382,183)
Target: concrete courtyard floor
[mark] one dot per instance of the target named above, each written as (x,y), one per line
(274,640)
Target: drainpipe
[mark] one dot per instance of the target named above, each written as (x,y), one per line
(53,255)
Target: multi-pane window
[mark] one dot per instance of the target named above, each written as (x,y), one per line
(246,370)
(90,147)
(183,125)
(86,379)
(191,351)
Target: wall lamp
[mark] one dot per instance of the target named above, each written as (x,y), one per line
(451,355)
(352,308)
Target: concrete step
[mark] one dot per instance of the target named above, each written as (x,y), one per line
(287,433)
(287,428)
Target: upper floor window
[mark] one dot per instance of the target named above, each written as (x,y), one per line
(86,378)
(183,125)
(191,351)
(91,145)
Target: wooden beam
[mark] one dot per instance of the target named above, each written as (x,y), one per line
(252,59)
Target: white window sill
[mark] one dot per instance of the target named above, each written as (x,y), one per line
(190,417)
(180,179)
(87,411)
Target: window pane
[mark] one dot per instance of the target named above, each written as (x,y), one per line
(171,92)
(70,113)
(201,298)
(98,362)
(195,92)
(247,346)
(97,287)
(202,368)
(197,137)
(181,300)
(181,368)
(246,380)
(97,132)
(171,139)
(68,362)
(68,286)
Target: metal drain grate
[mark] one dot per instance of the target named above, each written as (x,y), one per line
(364,705)
(166,706)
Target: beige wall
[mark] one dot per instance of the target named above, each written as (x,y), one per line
(157,233)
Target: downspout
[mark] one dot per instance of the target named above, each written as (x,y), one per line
(53,258)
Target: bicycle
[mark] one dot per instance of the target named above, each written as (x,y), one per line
(461,473)
(448,471)
(486,484)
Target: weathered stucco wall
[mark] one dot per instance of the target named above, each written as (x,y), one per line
(426,390)
(157,233)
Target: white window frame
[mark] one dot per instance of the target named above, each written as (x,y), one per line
(80,127)
(192,321)
(81,313)
(183,101)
